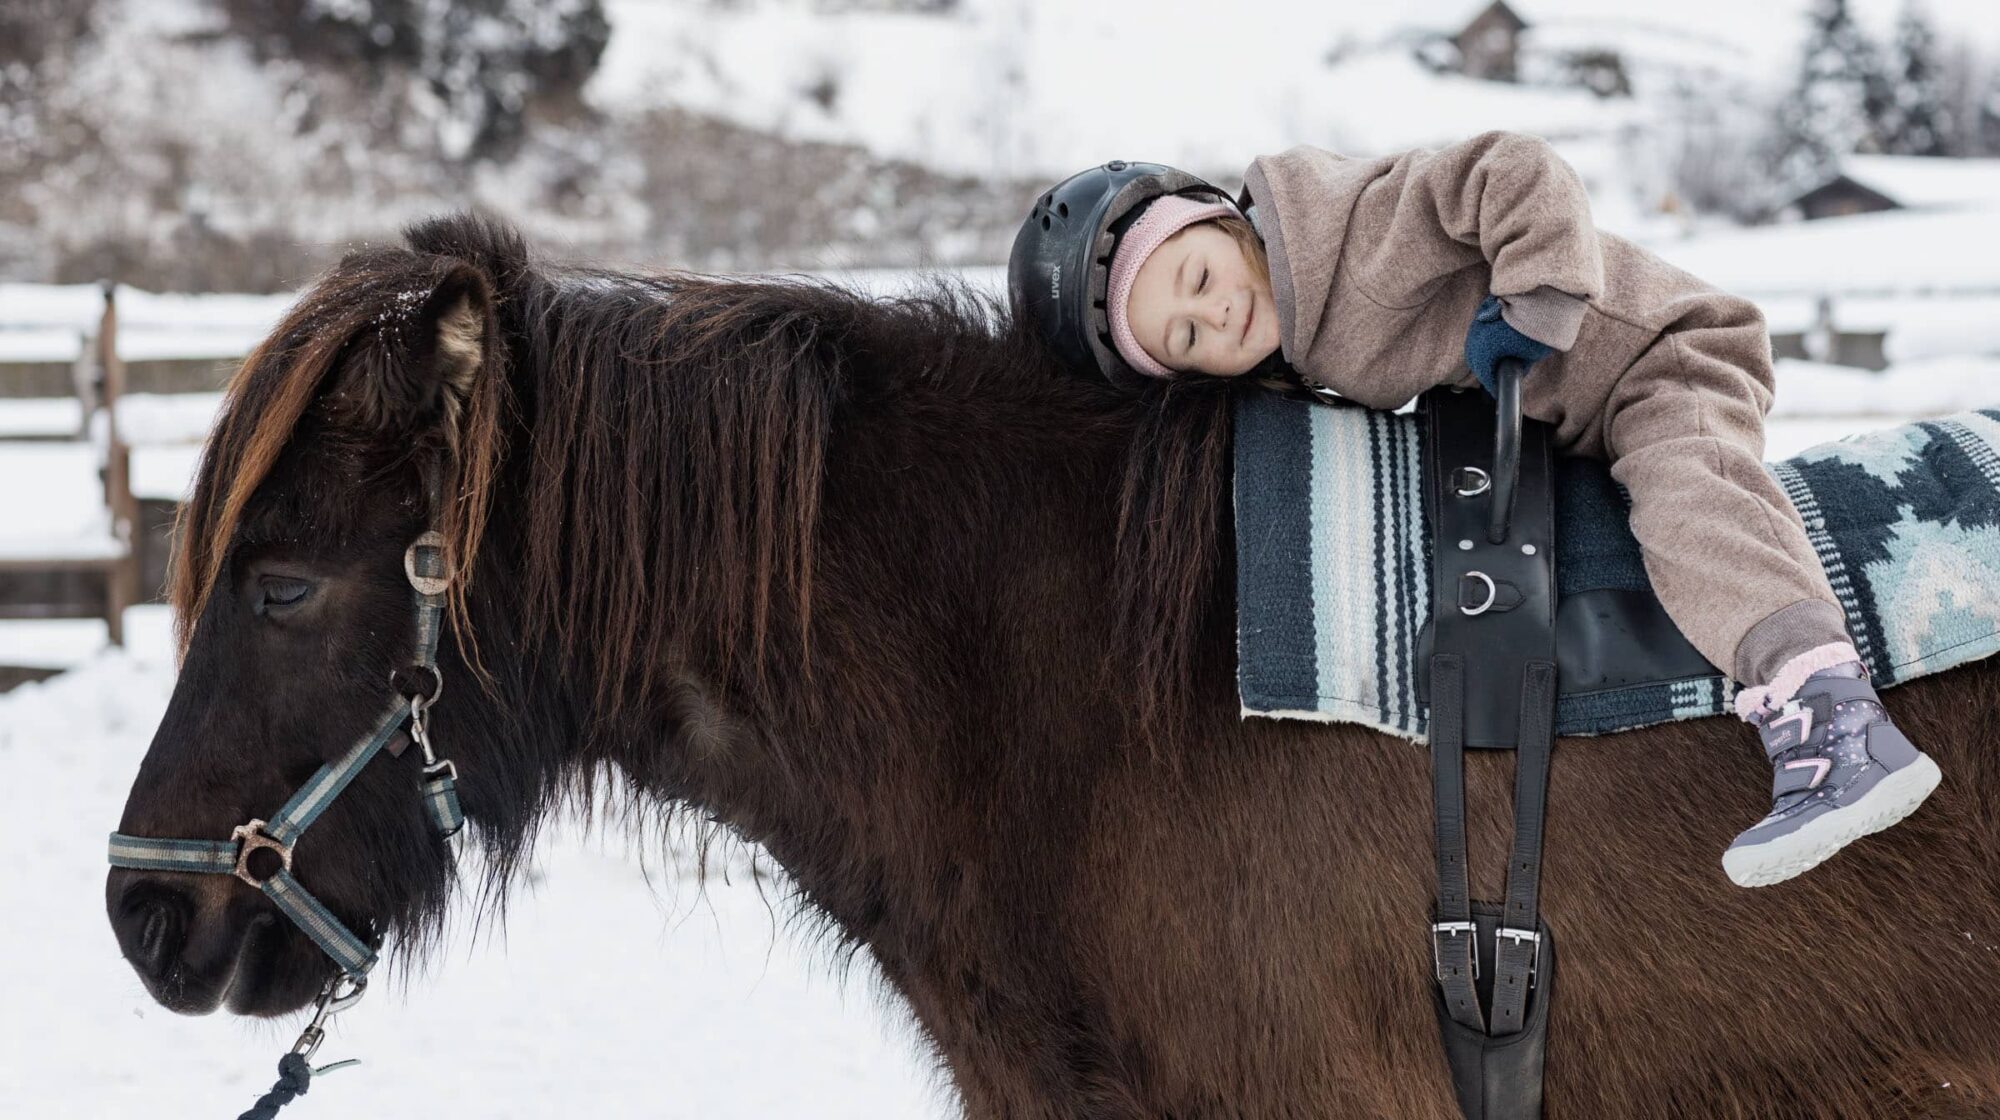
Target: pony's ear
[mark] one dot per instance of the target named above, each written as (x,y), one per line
(420,364)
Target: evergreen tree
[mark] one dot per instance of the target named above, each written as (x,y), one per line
(476,67)
(1841,96)
(1918,121)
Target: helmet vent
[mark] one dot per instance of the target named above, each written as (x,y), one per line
(1063,209)
(1045,221)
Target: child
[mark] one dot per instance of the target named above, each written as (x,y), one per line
(1381,278)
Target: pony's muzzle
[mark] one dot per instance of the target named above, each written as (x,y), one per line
(177,936)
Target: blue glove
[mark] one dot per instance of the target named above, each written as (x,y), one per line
(1493,338)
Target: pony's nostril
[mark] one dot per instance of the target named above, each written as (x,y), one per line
(158,924)
(153,938)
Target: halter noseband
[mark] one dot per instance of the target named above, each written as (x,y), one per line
(423,565)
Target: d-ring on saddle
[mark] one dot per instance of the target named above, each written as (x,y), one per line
(1492,684)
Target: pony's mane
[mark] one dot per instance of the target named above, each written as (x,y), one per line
(615,406)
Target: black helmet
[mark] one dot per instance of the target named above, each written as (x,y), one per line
(1061,264)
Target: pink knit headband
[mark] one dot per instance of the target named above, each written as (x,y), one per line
(1164,217)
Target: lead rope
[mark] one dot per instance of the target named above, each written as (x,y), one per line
(295,1069)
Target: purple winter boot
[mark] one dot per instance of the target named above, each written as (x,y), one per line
(1841,772)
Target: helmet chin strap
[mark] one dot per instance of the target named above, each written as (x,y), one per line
(423,566)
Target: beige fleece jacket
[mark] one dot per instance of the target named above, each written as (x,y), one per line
(1378,264)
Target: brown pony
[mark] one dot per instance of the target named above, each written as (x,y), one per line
(949,632)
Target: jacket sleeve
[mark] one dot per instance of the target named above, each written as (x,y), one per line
(1505,198)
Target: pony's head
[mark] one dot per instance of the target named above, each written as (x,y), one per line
(292,611)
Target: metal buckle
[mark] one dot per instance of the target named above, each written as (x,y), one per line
(1492,593)
(1481,482)
(250,837)
(1517,936)
(425,585)
(1440,930)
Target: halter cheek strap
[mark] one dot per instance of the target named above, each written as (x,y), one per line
(423,565)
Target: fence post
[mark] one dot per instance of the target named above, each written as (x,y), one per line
(122,579)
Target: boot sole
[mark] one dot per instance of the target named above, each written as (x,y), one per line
(1892,799)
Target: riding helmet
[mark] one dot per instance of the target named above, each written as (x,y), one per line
(1060,268)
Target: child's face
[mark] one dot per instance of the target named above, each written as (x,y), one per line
(1192,300)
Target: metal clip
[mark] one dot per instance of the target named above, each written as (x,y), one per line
(332,1001)
(420,732)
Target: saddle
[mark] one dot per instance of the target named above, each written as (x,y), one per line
(1489,497)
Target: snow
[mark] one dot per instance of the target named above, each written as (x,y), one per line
(1909,390)
(608,995)
(1045,87)
(53,503)
(40,345)
(154,418)
(1887,252)
(40,417)
(1927,182)
(81,306)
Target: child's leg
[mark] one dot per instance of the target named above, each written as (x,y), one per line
(1726,552)
(1729,559)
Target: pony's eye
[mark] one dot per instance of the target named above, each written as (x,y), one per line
(282,592)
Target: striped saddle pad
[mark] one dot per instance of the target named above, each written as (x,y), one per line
(1333,560)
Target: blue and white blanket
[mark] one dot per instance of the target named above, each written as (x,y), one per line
(1333,560)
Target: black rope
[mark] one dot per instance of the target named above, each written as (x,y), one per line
(294,1075)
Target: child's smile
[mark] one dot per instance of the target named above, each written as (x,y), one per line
(1199,305)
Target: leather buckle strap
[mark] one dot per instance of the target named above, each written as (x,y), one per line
(1442,930)
(1505,938)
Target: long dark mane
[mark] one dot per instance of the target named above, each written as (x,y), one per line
(660,442)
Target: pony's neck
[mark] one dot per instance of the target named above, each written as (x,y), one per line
(923,753)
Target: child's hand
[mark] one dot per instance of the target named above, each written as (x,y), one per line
(1492,338)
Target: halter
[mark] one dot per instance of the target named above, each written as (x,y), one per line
(423,566)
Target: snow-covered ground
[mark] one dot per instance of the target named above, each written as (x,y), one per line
(607,994)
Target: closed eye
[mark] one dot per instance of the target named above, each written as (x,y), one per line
(1204,282)
(280,592)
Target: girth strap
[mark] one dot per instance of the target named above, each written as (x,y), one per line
(1454,950)
(1519,948)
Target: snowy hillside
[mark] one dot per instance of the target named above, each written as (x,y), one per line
(1042,87)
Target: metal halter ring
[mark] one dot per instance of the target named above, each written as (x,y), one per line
(250,837)
(422,700)
(1491,593)
(425,585)
(1481,482)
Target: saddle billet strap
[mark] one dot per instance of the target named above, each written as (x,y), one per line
(1519,950)
(1454,936)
